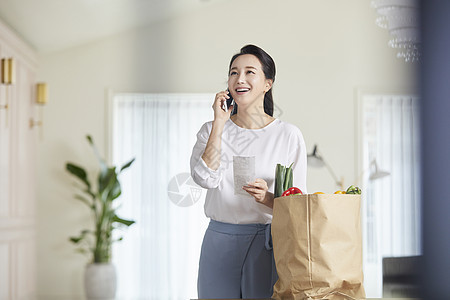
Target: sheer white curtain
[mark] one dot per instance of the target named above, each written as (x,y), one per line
(158,258)
(391,205)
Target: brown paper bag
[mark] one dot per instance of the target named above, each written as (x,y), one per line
(317,246)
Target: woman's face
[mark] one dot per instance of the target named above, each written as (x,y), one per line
(247,82)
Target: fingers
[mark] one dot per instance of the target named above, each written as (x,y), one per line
(252,190)
(258,194)
(257,189)
(259,184)
(221,97)
(219,106)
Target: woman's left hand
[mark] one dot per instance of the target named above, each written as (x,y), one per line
(259,190)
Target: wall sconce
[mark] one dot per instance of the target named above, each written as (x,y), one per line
(42,93)
(41,99)
(8,77)
(5,74)
(315,160)
(8,71)
(375,172)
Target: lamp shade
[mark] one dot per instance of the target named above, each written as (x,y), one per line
(314,160)
(5,71)
(11,71)
(42,93)
(376,173)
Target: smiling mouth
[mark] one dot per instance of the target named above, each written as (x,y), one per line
(242,90)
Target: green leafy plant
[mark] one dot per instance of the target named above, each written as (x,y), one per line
(100,199)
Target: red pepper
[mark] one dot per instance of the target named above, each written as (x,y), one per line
(292,191)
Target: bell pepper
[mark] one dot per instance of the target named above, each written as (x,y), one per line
(292,191)
(340,192)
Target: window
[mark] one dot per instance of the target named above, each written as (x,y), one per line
(158,258)
(389,127)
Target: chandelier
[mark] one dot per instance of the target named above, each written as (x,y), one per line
(401,19)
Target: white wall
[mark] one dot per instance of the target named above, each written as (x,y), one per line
(324,50)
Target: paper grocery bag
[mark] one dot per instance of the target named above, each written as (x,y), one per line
(317,246)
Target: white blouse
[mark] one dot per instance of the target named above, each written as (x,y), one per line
(277,143)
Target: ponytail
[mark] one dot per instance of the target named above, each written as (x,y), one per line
(268,103)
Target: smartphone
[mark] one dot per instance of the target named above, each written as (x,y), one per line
(229,102)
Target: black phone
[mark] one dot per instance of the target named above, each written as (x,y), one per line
(229,101)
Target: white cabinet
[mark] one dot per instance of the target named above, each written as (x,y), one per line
(17,172)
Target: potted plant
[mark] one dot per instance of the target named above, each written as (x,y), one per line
(100,276)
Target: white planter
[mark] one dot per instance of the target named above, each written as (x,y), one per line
(100,281)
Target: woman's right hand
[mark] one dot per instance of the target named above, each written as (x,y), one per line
(219,102)
(212,154)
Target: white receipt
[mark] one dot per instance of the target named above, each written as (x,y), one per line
(244,172)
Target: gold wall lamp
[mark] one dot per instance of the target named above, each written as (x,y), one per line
(8,71)
(41,100)
(8,77)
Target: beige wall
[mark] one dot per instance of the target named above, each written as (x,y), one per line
(324,50)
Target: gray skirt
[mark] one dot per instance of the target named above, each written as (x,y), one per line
(236,261)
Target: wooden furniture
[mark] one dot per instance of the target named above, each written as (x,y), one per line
(17,171)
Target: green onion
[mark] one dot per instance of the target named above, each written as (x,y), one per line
(283,179)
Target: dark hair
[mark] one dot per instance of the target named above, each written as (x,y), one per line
(268,66)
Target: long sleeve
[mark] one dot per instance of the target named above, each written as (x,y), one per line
(298,156)
(200,172)
(278,142)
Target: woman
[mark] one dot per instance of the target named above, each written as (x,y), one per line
(236,259)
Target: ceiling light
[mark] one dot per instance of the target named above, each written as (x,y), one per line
(401,19)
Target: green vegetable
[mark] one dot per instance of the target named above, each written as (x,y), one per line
(283,179)
(280,171)
(353,190)
(289,178)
